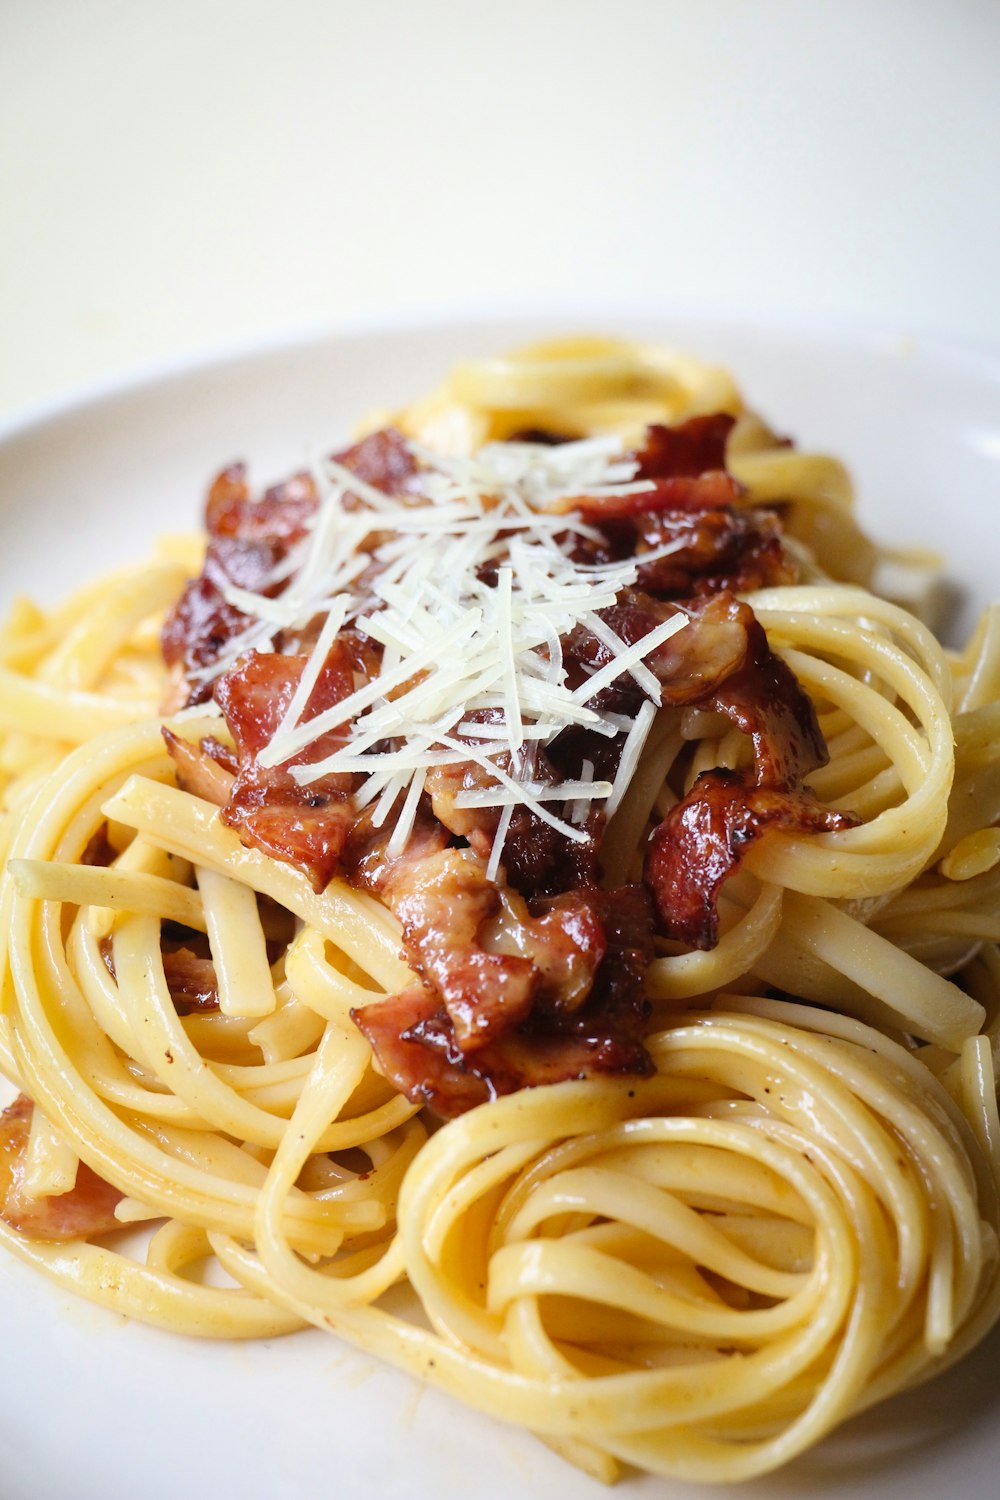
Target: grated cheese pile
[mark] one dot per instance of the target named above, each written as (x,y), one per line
(458,649)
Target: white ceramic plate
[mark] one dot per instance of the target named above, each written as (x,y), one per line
(94,1409)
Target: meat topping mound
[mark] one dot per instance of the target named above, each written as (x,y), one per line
(527,969)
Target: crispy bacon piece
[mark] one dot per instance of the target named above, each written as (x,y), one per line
(541,435)
(280,518)
(383,459)
(687,494)
(764,699)
(693,507)
(200,771)
(305,826)
(697,446)
(722,660)
(442,903)
(716,545)
(703,838)
(88,1209)
(190,976)
(687,465)
(228,495)
(476,824)
(724,549)
(365,861)
(417,1054)
(397,1029)
(512,994)
(99,849)
(600,1032)
(191,981)
(203,622)
(479,948)
(689,666)
(538,860)
(247,540)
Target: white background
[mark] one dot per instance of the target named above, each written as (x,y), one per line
(181,176)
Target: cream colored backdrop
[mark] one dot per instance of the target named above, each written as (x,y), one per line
(183,175)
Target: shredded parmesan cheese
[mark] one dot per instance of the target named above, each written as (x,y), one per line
(468,586)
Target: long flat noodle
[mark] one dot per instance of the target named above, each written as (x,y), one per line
(186,826)
(237,943)
(50,1163)
(929,1006)
(33,707)
(105,886)
(166,1300)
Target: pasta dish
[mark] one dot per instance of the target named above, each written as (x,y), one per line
(521,895)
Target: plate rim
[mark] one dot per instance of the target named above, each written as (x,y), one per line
(978,359)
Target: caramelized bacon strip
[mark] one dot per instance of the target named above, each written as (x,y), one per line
(279,519)
(198,770)
(88,1209)
(99,849)
(702,840)
(442,903)
(191,981)
(692,506)
(599,1032)
(721,661)
(382,459)
(203,622)
(716,546)
(190,976)
(537,858)
(478,947)
(697,446)
(687,494)
(305,826)
(399,1029)
(476,824)
(764,699)
(511,994)
(689,666)
(725,549)
(687,467)
(247,540)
